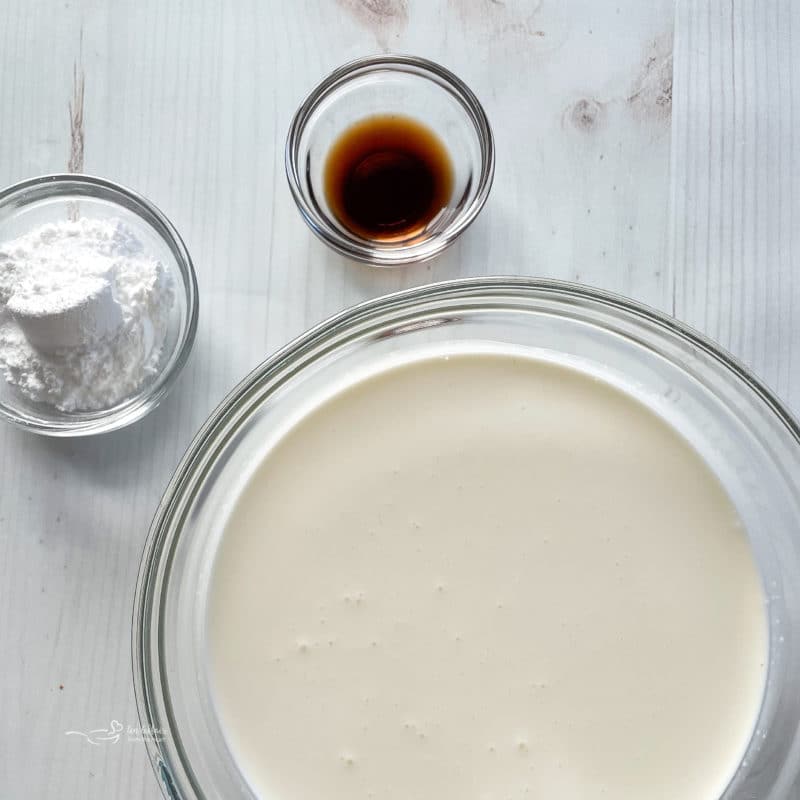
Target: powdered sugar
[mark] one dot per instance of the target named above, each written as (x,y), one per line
(84,311)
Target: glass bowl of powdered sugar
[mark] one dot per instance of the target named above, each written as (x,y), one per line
(98,305)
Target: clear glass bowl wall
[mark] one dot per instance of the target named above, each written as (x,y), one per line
(56,198)
(401,85)
(734,422)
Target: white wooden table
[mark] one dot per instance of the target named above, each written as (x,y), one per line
(641,148)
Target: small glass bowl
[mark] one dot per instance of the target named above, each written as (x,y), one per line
(52,198)
(391,84)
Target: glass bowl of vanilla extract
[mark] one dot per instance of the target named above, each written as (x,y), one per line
(389,159)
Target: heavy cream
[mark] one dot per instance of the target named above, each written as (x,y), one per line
(485,577)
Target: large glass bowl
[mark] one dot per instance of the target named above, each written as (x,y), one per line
(733,421)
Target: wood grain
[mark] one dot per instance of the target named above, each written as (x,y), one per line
(189,104)
(735,222)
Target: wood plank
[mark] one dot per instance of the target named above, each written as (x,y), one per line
(735,223)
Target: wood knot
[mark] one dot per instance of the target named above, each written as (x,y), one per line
(378,15)
(585,115)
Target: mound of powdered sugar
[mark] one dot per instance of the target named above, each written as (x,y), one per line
(84,311)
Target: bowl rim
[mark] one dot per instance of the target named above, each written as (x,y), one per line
(153,217)
(168,759)
(377,254)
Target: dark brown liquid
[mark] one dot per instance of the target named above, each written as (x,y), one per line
(387,177)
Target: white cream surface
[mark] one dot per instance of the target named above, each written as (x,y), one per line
(485,577)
